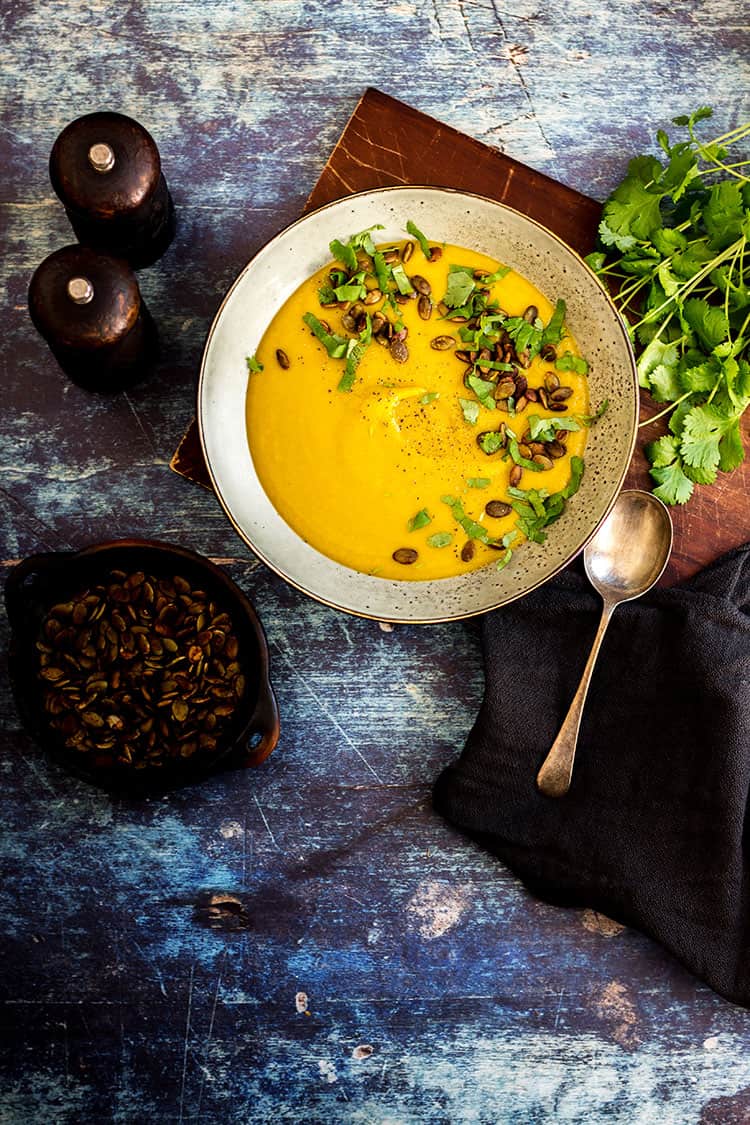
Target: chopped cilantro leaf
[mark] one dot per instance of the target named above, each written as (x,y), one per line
(470,410)
(382,271)
(498,275)
(570,362)
(344,253)
(491,442)
(429,397)
(327,295)
(355,350)
(335,345)
(421,519)
(527,337)
(440,539)
(352,292)
(576,475)
(414,230)
(519,459)
(589,419)
(472,529)
(553,333)
(478,482)
(484,390)
(545,429)
(402,281)
(460,288)
(253,364)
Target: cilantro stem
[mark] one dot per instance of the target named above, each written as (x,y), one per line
(735,134)
(688,286)
(721,167)
(667,410)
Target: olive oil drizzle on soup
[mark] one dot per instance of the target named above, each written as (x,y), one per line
(366,475)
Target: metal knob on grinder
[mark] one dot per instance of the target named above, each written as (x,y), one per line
(89,308)
(106,170)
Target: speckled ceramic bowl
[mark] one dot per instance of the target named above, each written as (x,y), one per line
(465,220)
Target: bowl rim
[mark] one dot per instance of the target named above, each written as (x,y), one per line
(276,569)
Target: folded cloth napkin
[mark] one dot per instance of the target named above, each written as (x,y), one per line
(654,831)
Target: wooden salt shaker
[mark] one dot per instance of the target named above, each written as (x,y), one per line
(90,311)
(106,170)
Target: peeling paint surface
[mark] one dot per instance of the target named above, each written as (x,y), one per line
(308,942)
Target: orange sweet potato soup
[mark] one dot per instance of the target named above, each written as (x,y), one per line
(417,410)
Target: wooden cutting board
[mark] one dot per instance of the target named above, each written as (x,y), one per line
(387,142)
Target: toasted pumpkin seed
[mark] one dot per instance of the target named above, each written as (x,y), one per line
(399,351)
(424,307)
(543,461)
(497,509)
(405,555)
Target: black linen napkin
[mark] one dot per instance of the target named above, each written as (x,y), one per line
(655,830)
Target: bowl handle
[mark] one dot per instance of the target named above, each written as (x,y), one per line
(17,595)
(265,722)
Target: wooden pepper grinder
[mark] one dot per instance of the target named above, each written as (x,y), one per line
(106,170)
(90,311)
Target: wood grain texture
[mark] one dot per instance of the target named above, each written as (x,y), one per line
(128,996)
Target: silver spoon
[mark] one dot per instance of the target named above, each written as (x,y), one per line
(623,560)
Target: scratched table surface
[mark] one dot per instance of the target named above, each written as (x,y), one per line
(369,964)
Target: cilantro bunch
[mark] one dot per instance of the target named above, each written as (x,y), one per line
(673,244)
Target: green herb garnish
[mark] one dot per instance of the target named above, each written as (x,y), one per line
(382,271)
(355,350)
(589,419)
(402,281)
(440,539)
(478,482)
(253,364)
(414,230)
(327,295)
(519,459)
(344,252)
(537,509)
(526,337)
(429,397)
(421,519)
(491,442)
(506,541)
(470,410)
(460,288)
(570,362)
(674,239)
(545,429)
(498,275)
(336,346)
(473,529)
(484,390)
(553,333)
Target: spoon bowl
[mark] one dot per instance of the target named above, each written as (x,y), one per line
(623,560)
(629,552)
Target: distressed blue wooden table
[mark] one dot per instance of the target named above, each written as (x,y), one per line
(308,942)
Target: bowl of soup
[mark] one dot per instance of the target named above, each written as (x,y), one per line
(417,404)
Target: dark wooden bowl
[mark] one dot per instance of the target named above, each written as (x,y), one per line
(39,582)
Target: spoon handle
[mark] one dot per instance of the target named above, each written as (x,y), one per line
(554,777)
